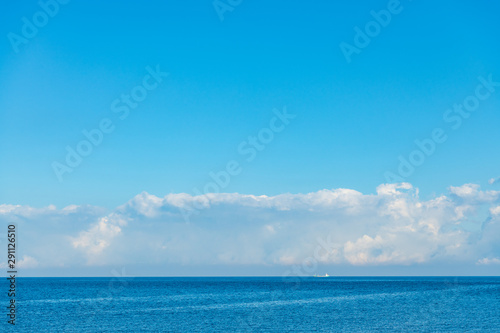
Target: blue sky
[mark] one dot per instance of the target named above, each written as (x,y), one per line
(353,120)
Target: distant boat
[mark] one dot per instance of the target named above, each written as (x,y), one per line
(326,275)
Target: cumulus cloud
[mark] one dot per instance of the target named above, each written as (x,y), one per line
(472,193)
(339,226)
(44,234)
(100,235)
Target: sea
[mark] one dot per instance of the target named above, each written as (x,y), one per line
(256,304)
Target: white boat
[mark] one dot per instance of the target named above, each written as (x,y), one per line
(326,275)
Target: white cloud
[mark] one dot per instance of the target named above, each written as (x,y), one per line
(393,226)
(489,261)
(494,181)
(27,262)
(100,235)
(471,192)
(495,210)
(392,189)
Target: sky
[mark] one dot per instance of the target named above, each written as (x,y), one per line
(225,137)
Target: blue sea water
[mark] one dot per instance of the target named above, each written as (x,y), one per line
(334,304)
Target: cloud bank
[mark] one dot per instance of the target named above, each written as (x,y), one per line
(391,227)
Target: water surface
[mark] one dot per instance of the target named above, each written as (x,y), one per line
(423,304)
